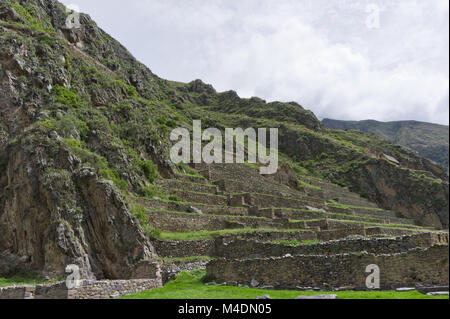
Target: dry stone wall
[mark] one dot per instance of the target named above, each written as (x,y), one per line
(241,249)
(425,266)
(88,290)
(185,248)
(182,222)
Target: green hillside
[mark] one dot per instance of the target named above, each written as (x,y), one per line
(429,140)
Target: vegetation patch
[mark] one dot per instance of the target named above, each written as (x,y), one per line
(187,259)
(150,231)
(212,234)
(304,184)
(190,285)
(27,279)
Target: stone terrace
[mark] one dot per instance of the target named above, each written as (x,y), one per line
(234,214)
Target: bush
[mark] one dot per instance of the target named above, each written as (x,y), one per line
(49,124)
(171,123)
(150,231)
(28,14)
(164,122)
(113,175)
(86,156)
(131,91)
(150,191)
(150,170)
(65,96)
(175,198)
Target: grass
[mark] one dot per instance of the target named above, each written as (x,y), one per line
(296,242)
(187,259)
(198,193)
(192,177)
(306,220)
(212,234)
(185,203)
(328,213)
(25,280)
(304,184)
(333,203)
(165,211)
(189,285)
(190,183)
(398,226)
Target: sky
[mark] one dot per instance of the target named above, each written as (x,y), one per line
(343,59)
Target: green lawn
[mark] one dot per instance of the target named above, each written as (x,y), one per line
(189,285)
(211,234)
(23,281)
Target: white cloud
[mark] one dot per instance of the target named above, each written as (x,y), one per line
(318,53)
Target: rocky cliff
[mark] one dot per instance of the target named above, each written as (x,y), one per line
(57,204)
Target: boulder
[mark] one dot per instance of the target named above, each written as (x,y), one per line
(318,297)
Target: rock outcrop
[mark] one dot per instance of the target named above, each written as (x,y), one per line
(54,212)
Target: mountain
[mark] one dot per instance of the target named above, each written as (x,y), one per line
(431,141)
(84,150)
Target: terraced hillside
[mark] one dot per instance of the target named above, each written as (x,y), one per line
(214,219)
(86,177)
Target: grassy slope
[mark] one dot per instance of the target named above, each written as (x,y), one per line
(23,281)
(211,234)
(430,140)
(190,286)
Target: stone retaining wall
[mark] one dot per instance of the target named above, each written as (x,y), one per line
(187,222)
(184,248)
(182,207)
(88,290)
(265,200)
(426,266)
(376,231)
(193,197)
(241,249)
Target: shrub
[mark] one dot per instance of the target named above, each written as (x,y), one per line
(171,123)
(161,120)
(49,124)
(74,143)
(28,14)
(150,191)
(131,91)
(68,124)
(86,156)
(65,96)
(114,176)
(150,231)
(150,170)
(165,122)
(175,198)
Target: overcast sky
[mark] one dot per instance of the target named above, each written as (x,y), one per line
(331,56)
